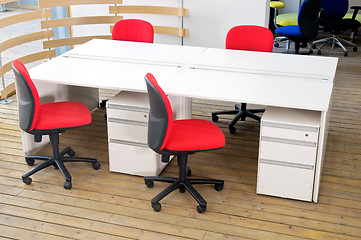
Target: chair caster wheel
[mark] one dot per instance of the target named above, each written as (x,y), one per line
(29,161)
(67,185)
(96,165)
(156,206)
(182,189)
(71,152)
(232,129)
(276,44)
(218,187)
(189,172)
(318,52)
(345,54)
(201,209)
(27,181)
(354,49)
(310,51)
(215,118)
(102,104)
(149,184)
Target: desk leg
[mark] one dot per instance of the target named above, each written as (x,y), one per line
(182,107)
(55,93)
(321,151)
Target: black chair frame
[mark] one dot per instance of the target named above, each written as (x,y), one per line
(57,160)
(182,182)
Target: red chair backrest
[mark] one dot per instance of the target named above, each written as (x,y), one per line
(250,38)
(28,97)
(134,30)
(160,115)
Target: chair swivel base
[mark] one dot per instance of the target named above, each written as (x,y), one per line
(241,112)
(58,163)
(183,183)
(334,41)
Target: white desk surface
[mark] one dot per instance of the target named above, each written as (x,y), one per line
(271,79)
(263,89)
(115,64)
(303,82)
(278,64)
(135,52)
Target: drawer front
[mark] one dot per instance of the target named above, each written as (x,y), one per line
(139,115)
(128,132)
(292,134)
(284,181)
(135,160)
(285,152)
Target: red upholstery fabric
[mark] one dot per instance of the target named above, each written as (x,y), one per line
(24,72)
(63,115)
(134,30)
(250,38)
(152,79)
(195,134)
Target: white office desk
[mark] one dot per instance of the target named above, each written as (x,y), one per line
(290,81)
(270,79)
(115,64)
(78,74)
(293,81)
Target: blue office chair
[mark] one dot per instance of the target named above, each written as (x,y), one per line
(307,28)
(332,21)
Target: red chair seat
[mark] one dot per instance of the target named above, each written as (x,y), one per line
(63,115)
(195,135)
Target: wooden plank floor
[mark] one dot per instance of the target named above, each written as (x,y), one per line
(105,205)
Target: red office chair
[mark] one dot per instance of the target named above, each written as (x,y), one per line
(180,138)
(134,30)
(48,119)
(250,38)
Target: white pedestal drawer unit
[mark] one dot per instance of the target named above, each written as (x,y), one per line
(127,119)
(287,153)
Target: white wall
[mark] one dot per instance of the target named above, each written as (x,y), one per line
(210,20)
(291,6)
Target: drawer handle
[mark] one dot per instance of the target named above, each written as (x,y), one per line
(286,164)
(290,126)
(128,108)
(130,122)
(288,141)
(128,143)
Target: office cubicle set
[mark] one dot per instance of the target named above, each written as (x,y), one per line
(278,131)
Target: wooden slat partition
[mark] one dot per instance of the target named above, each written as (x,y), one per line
(25,39)
(28,59)
(23,17)
(58,3)
(79,21)
(22,39)
(181,32)
(181,12)
(10,89)
(6,1)
(71,41)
